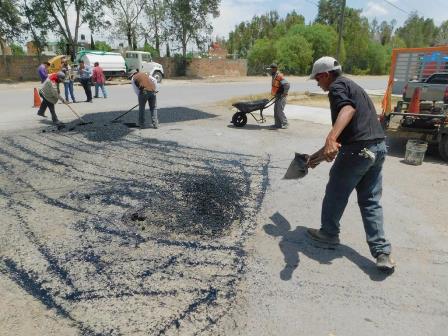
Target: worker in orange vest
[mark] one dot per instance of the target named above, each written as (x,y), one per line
(280,88)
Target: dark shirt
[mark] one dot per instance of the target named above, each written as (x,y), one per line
(364,125)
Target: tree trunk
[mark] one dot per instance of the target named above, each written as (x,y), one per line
(3,47)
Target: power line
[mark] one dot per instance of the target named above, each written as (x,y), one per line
(395,6)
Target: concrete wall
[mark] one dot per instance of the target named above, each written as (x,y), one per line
(20,68)
(24,68)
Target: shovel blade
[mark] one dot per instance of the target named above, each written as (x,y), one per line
(298,167)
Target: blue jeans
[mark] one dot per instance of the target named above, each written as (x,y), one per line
(103,89)
(352,171)
(150,97)
(68,88)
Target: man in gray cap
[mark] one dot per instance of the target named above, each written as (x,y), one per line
(357,146)
(280,88)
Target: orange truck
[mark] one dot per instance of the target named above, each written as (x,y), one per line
(417,77)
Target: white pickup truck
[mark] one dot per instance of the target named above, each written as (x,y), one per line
(142,61)
(434,88)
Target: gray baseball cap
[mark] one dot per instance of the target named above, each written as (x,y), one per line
(325,64)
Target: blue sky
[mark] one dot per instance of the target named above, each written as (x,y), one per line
(232,12)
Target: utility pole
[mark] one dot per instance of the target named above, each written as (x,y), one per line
(341,27)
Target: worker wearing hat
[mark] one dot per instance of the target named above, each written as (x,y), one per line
(50,94)
(356,144)
(280,88)
(145,87)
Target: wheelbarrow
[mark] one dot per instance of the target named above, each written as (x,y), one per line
(239,119)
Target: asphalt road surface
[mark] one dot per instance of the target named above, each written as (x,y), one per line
(191,230)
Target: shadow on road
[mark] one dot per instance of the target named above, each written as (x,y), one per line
(253,127)
(295,241)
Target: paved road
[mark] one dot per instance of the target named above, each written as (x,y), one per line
(191,230)
(17,113)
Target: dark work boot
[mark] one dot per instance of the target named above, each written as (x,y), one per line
(322,237)
(385,263)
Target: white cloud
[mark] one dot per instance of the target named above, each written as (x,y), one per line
(374,9)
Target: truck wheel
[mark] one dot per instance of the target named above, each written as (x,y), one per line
(158,76)
(443,147)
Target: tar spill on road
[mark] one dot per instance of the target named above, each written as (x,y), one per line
(134,236)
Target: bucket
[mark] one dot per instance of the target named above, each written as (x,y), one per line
(415,152)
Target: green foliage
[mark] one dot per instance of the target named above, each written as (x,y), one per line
(10,22)
(102,46)
(17,50)
(189,21)
(329,12)
(61,47)
(377,59)
(323,39)
(245,34)
(442,34)
(418,31)
(149,48)
(356,36)
(260,56)
(294,54)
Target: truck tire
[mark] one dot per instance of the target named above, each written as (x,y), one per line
(158,76)
(443,147)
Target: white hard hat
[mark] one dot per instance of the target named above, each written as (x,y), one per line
(324,64)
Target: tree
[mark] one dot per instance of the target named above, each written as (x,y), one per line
(127,13)
(442,35)
(385,31)
(323,39)
(35,22)
(245,34)
(58,14)
(10,24)
(329,12)
(294,54)
(260,56)
(17,50)
(156,11)
(376,58)
(189,21)
(102,46)
(356,40)
(418,32)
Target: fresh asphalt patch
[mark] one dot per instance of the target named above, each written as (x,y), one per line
(122,234)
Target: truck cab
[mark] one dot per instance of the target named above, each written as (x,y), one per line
(142,61)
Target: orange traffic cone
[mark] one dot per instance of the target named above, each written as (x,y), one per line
(414,106)
(37,100)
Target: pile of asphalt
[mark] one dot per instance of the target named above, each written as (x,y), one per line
(123,234)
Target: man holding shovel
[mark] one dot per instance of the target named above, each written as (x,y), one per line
(356,145)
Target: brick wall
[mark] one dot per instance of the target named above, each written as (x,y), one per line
(20,68)
(169,66)
(203,67)
(24,68)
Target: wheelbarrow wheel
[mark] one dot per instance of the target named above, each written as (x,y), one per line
(239,119)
